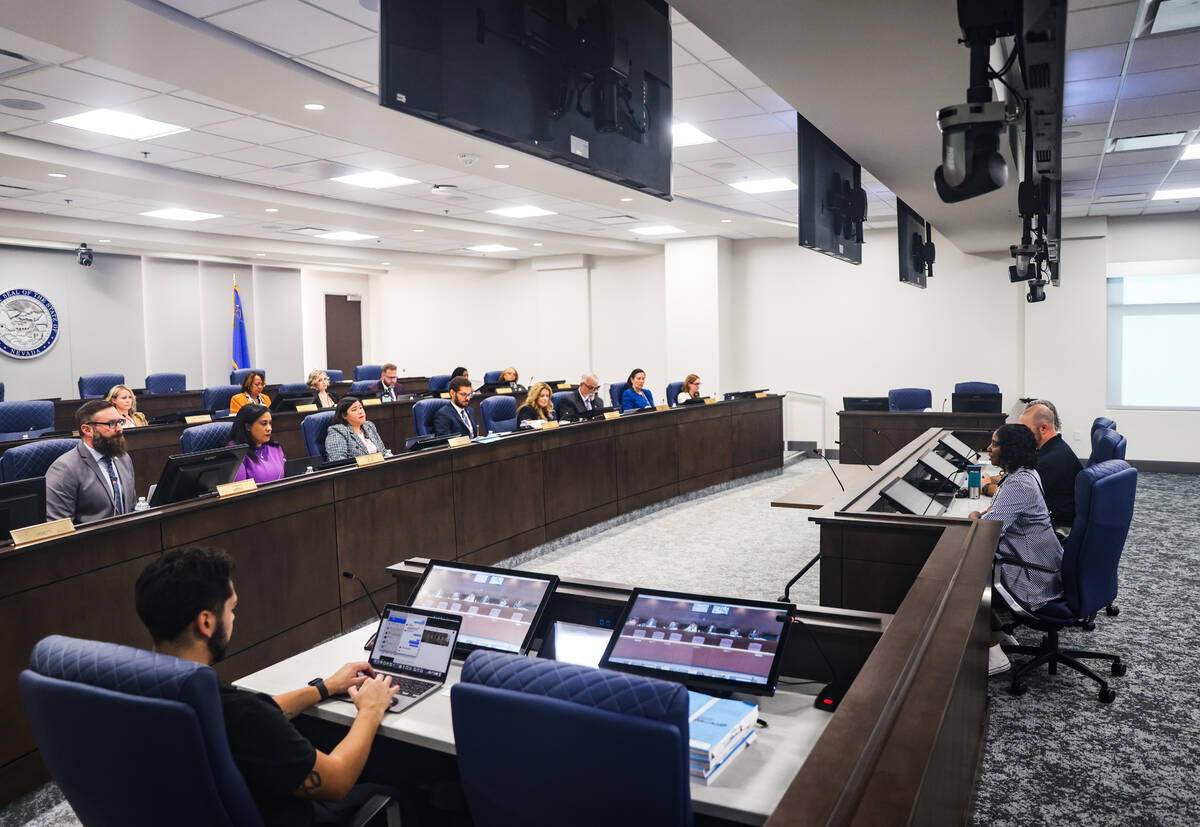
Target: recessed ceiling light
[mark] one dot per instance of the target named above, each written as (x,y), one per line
(726,220)
(1191,153)
(1174,16)
(626,198)
(105,241)
(537,244)
(491,248)
(374,179)
(120,125)
(384,263)
(1176,194)
(500,166)
(526,211)
(181,214)
(684,134)
(271,209)
(1146,142)
(418,230)
(346,235)
(57,174)
(764,185)
(659,229)
(260,254)
(314,107)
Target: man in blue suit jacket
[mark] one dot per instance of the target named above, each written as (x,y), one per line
(457,418)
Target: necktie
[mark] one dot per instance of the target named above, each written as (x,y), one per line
(587,402)
(463,413)
(116,484)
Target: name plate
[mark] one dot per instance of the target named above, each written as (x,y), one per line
(444,395)
(366,403)
(708,400)
(369,459)
(459,441)
(760,395)
(564,386)
(42,531)
(232,489)
(612,415)
(661,407)
(503,390)
(549,424)
(309,408)
(197,419)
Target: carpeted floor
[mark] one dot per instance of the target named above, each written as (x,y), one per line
(1054,756)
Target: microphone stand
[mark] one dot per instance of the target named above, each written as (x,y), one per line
(349,575)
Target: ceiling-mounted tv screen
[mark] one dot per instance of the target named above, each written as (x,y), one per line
(915,244)
(585,83)
(833,204)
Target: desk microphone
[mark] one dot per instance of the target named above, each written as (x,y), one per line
(943,406)
(349,575)
(860,456)
(821,454)
(886,439)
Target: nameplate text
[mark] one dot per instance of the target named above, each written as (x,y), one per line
(42,531)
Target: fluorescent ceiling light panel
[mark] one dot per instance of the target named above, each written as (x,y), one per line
(181,214)
(764,185)
(374,180)
(526,211)
(1176,15)
(491,248)
(1175,194)
(120,125)
(659,229)
(1192,153)
(1146,142)
(346,235)
(684,134)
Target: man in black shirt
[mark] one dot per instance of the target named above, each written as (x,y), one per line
(186,599)
(1057,464)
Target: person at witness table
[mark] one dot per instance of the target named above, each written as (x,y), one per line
(457,418)
(1029,553)
(318,380)
(511,378)
(387,388)
(637,395)
(252,391)
(264,456)
(690,389)
(537,404)
(122,398)
(582,400)
(94,479)
(1057,463)
(351,435)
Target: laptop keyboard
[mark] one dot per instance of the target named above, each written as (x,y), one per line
(410,686)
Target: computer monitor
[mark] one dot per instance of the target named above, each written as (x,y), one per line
(976,402)
(22,503)
(420,443)
(745,394)
(579,644)
(186,476)
(711,644)
(960,452)
(286,401)
(948,476)
(864,403)
(908,499)
(500,608)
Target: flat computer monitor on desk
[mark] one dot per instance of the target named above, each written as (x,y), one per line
(745,394)
(976,402)
(186,476)
(905,498)
(942,476)
(960,453)
(286,401)
(22,504)
(864,403)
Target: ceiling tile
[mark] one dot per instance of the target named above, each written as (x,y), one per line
(681,56)
(200,143)
(1116,179)
(429,173)
(291,27)
(320,146)
(104,70)
(58,199)
(1162,82)
(52,108)
(33,49)
(1100,26)
(697,42)
(377,159)
(1088,113)
(359,59)
(355,11)
(1152,53)
(734,163)
(198,98)
(1084,132)
(715,107)
(178,111)
(1083,92)
(256,131)
(733,71)
(203,8)
(697,79)
(213,166)
(1158,105)
(766,98)
(156,154)
(1155,126)
(764,143)
(265,156)
(1077,169)
(746,127)
(67,136)
(1098,62)
(702,152)
(1081,148)
(79,87)
(10,122)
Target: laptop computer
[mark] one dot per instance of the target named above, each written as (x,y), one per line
(414,647)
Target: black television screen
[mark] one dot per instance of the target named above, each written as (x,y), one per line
(976,402)
(915,244)
(865,403)
(22,504)
(585,83)
(191,475)
(286,401)
(833,204)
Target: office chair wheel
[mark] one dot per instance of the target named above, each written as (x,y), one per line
(1107,695)
(1112,610)
(1118,669)
(1018,689)
(1088,625)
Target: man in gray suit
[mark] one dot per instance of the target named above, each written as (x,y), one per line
(95,480)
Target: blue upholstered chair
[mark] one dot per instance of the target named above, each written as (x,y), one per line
(23,462)
(1100,424)
(313,428)
(237,377)
(1,391)
(97,385)
(976,387)
(204,437)
(334,375)
(366,372)
(1104,495)
(361,386)
(499,414)
(615,390)
(492,376)
(439,383)
(910,399)
(166,383)
(216,399)
(21,418)
(294,387)
(423,412)
(556,399)
(673,391)
(604,747)
(1107,444)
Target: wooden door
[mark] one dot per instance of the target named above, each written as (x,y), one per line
(343,333)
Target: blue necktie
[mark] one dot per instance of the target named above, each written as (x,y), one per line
(116,484)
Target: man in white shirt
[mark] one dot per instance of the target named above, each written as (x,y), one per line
(95,479)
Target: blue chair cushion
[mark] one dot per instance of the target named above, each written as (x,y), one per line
(23,462)
(237,377)
(367,372)
(976,387)
(361,386)
(294,387)
(615,391)
(204,437)
(499,413)
(1,391)
(556,399)
(166,383)
(423,413)
(334,375)
(1107,444)
(97,385)
(910,399)
(217,397)
(440,382)
(492,376)
(673,391)
(313,428)
(1104,497)
(24,416)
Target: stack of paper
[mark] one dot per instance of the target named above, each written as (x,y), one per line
(719,728)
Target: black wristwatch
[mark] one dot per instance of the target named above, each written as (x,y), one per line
(319,683)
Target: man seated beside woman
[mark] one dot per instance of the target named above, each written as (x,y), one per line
(123,400)
(252,391)
(264,456)
(351,435)
(537,404)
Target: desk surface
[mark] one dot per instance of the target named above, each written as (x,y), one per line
(821,490)
(748,791)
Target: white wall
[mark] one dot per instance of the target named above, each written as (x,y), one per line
(314,286)
(278,344)
(693,281)
(628,300)
(170,296)
(216,319)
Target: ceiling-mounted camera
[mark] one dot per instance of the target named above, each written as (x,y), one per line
(1037,291)
(83,255)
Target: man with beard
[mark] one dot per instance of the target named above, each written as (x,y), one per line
(95,480)
(186,600)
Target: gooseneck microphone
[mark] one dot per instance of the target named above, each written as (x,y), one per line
(349,575)
(860,456)
(821,454)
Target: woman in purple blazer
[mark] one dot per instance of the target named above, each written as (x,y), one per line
(264,457)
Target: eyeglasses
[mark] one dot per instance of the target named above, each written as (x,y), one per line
(589,386)
(115,424)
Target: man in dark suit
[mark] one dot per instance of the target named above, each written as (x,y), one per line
(95,479)
(1057,463)
(583,400)
(457,418)
(387,388)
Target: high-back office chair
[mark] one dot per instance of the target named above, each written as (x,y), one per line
(614,393)
(1099,425)
(313,428)
(294,387)
(1108,444)
(976,387)
(360,386)
(166,383)
(237,377)
(1104,495)
(439,383)
(334,375)
(216,399)
(25,418)
(204,437)
(1,391)
(423,412)
(556,399)
(673,391)
(910,399)
(371,372)
(23,462)
(499,413)
(492,376)
(602,747)
(97,385)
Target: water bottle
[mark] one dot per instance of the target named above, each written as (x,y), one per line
(387,453)
(974,479)
(142,505)
(308,469)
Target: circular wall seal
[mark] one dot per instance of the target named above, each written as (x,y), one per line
(28,324)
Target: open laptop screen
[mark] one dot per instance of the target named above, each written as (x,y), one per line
(414,642)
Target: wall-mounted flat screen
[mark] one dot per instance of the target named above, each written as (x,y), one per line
(915,244)
(833,204)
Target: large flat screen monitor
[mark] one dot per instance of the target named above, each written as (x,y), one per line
(915,243)
(976,402)
(186,476)
(500,608)
(285,401)
(711,644)
(832,202)
(22,504)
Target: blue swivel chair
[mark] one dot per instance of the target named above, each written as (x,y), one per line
(1104,495)
(26,418)
(439,383)
(604,747)
(1099,425)
(492,376)
(205,437)
(1107,444)
(976,387)
(499,413)
(97,385)
(166,383)
(313,428)
(360,386)
(1,391)
(556,399)
(673,391)
(216,399)
(334,375)
(614,393)
(237,377)
(365,372)
(294,387)
(423,412)
(910,399)
(23,462)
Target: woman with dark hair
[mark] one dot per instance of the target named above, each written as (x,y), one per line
(252,387)
(264,456)
(637,395)
(1029,553)
(351,435)
(460,372)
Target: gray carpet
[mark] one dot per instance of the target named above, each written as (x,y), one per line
(1054,756)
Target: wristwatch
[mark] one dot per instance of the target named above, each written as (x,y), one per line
(319,683)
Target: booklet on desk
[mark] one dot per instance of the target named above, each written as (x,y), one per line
(709,772)
(717,728)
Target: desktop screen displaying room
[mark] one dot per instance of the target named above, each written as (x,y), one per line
(185,476)
(500,608)
(707,643)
